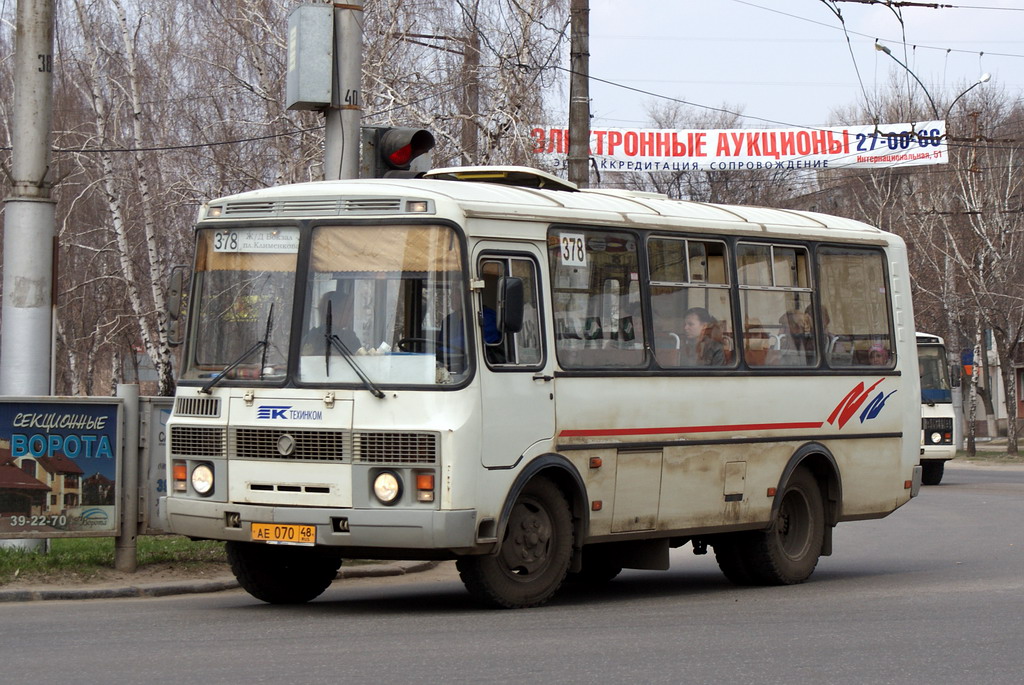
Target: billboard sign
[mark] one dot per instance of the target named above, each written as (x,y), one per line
(59,467)
(643,149)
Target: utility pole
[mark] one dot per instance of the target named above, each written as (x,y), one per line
(579,93)
(29,210)
(342,138)
(471,96)
(28,301)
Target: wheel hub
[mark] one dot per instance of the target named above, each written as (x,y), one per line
(527,546)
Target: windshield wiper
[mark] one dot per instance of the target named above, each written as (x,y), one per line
(263,344)
(334,341)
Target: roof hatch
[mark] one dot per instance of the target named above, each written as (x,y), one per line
(521,176)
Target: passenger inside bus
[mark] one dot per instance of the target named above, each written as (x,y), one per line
(494,348)
(878,355)
(702,339)
(796,339)
(339,309)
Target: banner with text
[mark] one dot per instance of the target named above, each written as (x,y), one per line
(645,149)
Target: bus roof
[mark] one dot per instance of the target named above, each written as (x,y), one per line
(536,196)
(928,339)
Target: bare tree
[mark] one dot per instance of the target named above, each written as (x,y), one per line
(162,107)
(473,71)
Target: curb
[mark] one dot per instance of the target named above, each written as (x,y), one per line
(191,587)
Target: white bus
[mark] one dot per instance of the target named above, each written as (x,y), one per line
(940,433)
(541,383)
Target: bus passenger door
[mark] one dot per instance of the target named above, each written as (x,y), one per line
(515,371)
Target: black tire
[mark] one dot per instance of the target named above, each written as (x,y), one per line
(280,574)
(535,552)
(931,472)
(731,555)
(787,552)
(599,567)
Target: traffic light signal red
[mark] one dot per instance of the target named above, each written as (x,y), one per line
(392,151)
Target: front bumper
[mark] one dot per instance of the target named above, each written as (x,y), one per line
(391,529)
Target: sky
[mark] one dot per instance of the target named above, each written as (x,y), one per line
(787,62)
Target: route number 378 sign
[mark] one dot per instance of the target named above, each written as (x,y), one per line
(574,249)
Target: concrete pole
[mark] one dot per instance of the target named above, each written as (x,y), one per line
(29,220)
(470,105)
(29,211)
(342,138)
(126,557)
(579,93)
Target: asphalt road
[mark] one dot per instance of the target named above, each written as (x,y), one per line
(932,594)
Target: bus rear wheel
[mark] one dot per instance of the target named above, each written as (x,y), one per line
(279,574)
(535,552)
(787,552)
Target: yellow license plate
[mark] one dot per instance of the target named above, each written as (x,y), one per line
(283,534)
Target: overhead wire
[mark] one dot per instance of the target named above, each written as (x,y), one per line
(641,91)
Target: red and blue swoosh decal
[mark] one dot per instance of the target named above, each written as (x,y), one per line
(840,416)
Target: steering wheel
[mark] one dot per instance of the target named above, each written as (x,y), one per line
(414,344)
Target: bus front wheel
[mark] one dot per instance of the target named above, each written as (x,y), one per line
(278,574)
(535,552)
(931,471)
(787,552)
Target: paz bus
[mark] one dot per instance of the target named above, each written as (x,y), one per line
(542,383)
(940,433)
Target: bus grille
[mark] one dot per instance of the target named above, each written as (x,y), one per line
(201,407)
(395,448)
(197,441)
(308,445)
(941,424)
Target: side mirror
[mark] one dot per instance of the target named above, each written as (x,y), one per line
(175,298)
(510,304)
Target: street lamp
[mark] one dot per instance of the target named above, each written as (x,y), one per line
(886,50)
(983,79)
(935,110)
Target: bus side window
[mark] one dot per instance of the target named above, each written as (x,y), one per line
(595,298)
(502,345)
(855,306)
(775,294)
(690,282)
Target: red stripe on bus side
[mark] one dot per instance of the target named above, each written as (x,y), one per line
(604,432)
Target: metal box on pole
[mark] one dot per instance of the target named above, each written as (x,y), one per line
(310,57)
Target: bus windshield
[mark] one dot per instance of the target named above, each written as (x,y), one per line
(935,387)
(245,280)
(386,302)
(383,305)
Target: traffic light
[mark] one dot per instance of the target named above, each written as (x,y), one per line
(395,152)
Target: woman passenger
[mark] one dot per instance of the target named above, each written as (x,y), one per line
(699,346)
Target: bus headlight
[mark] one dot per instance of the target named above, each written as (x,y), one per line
(202,479)
(387,486)
(936,438)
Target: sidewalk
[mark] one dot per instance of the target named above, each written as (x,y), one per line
(188,587)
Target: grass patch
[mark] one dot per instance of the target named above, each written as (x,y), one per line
(84,558)
(990,457)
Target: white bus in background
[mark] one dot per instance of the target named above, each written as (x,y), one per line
(940,432)
(542,383)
